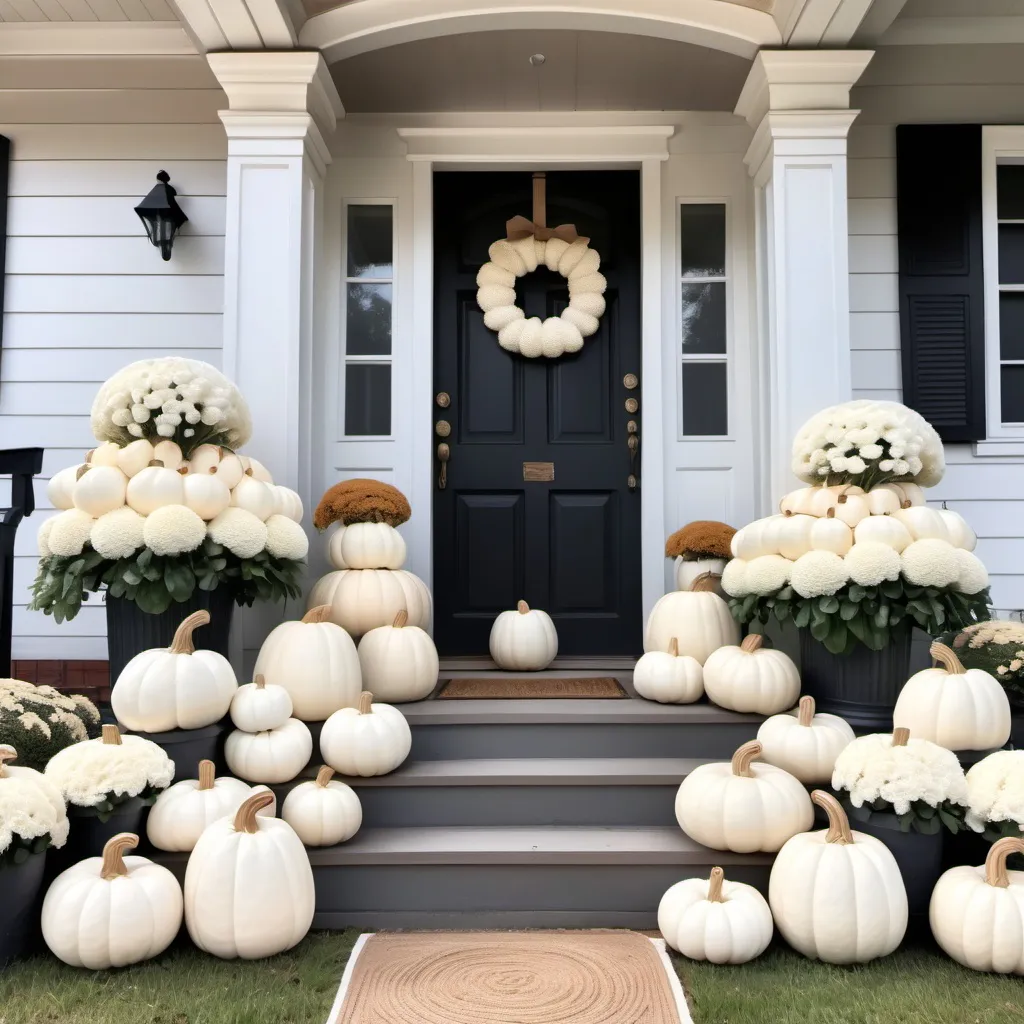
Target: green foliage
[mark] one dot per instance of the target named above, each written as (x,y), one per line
(19,850)
(921,817)
(1000,646)
(112,802)
(865,615)
(38,721)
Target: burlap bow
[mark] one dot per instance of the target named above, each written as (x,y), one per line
(521,227)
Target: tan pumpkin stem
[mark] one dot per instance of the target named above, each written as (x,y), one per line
(806,713)
(788,513)
(905,503)
(673,647)
(838,824)
(260,682)
(752,642)
(89,454)
(324,776)
(831,513)
(182,642)
(365,703)
(82,470)
(947,659)
(212,470)
(113,855)
(111,736)
(400,619)
(995,862)
(207,774)
(900,736)
(750,751)
(522,607)
(245,816)
(715,885)
(7,753)
(704,582)
(155,462)
(321,613)
(183,470)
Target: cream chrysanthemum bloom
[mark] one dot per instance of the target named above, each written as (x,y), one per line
(973,576)
(242,533)
(173,529)
(995,790)
(734,578)
(118,534)
(27,811)
(42,537)
(767,573)
(285,538)
(870,562)
(70,532)
(930,563)
(818,574)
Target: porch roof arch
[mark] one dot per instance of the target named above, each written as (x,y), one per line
(366,25)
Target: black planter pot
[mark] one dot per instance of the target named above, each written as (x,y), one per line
(19,889)
(89,835)
(919,857)
(131,630)
(862,686)
(187,747)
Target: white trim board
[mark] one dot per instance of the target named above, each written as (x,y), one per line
(94,38)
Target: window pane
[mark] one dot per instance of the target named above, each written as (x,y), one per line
(1011,325)
(1011,253)
(1010,191)
(702,239)
(703,320)
(370,241)
(705,408)
(367,399)
(368,322)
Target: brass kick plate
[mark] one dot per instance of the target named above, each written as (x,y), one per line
(538,471)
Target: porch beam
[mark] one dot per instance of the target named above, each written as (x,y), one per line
(240,24)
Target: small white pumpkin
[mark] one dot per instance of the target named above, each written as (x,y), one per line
(315,661)
(287,503)
(955,707)
(715,920)
(113,910)
(135,457)
(761,537)
(206,494)
(230,468)
(798,502)
(751,678)
(205,459)
(153,487)
(399,662)
(698,618)
(254,496)
(837,895)
(687,573)
(977,914)
(743,807)
(372,546)
(882,501)
(274,756)
(524,640)
(831,534)
(909,494)
(334,555)
(61,488)
(256,469)
(362,599)
(923,523)
(804,744)
(373,739)
(851,508)
(669,678)
(249,889)
(104,454)
(883,529)
(824,498)
(959,533)
(792,536)
(324,812)
(174,687)
(257,707)
(99,489)
(169,453)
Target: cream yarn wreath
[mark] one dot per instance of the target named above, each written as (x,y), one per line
(532,337)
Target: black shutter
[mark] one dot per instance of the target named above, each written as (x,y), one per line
(942,279)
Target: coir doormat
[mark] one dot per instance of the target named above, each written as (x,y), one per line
(496,688)
(549,977)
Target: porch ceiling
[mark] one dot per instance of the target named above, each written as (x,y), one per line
(314,7)
(583,71)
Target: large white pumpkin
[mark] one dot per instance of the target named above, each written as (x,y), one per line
(176,687)
(399,662)
(362,599)
(715,920)
(977,914)
(248,886)
(274,756)
(323,812)
(688,572)
(837,895)
(373,739)
(955,707)
(751,678)
(154,487)
(804,744)
(669,677)
(315,661)
(698,619)
(99,489)
(371,546)
(113,910)
(257,707)
(524,640)
(741,806)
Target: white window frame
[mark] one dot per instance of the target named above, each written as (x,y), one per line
(374,360)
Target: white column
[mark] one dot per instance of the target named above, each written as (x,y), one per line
(798,103)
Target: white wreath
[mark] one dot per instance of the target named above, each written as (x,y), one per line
(533,337)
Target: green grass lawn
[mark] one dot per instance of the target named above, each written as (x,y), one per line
(914,986)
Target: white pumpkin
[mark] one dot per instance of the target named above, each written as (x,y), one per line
(955,707)
(669,678)
(230,468)
(757,538)
(923,523)
(715,920)
(257,707)
(687,573)
(174,687)
(977,914)
(61,487)
(99,489)
(799,501)
(851,508)
(169,453)
(883,529)
(824,498)
(959,533)
(837,895)
(153,487)
(362,599)
(909,494)
(399,662)
(323,812)
(254,496)
(882,501)
(804,744)
(698,618)
(113,910)
(831,534)
(373,739)
(206,494)
(524,640)
(751,678)
(287,503)
(274,756)
(205,459)
(315,661)
(104,454)
(334,555)
(743,807)
(372,546)
(182,811)
(256,469)
(792,536)
(249,889)
(135,457)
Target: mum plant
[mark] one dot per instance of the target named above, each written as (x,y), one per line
(996,647)
(995,795)
(32,813)
(38,721)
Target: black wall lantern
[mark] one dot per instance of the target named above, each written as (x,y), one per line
(161,214)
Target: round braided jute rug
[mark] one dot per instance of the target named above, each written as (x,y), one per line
(571,977)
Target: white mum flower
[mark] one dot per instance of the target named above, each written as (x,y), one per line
(118,534)
(121,417)
(70,532)
(930,563)
(211,415)
(855,464)
(140,414)
(870,563)
(767,573)
(871,452)
(995,790)
(734,578)
(135,430)
(972,576)
(818,574)
(28,811)
(174,529)
(42,537)
(239,531)
(285,538)
(838,463)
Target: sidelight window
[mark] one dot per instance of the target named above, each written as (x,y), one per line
(703,320)
(1008,359)
(368,319)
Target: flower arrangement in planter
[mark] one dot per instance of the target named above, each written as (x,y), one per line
(995,795)
(699,547)
(996,647)
(38,721)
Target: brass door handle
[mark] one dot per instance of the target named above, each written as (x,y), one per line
(633,443)
(444,453)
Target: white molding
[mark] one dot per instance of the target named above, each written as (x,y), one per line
(93,38)
(877,21)
(275,24)
(239,24)
(824,22)
(798,133)
(946,31)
